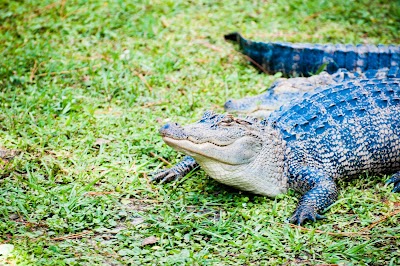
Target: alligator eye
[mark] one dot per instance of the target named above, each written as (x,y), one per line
(228,118)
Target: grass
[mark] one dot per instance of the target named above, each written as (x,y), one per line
(84,87)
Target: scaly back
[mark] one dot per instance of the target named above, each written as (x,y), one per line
(345,129)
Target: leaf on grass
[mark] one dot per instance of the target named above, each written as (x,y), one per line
(137,220)
(98,193)
(125,201)
(6,249)
(125,252)
(150,240)
(101,141)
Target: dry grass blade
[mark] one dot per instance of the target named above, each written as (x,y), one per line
(146,105)
(33,71)
(350,234)
(362,233)
(67,71)
(99,193)
(255,63)
(160,158)
(142,78)
(72,236)
(393,213)
(210,46)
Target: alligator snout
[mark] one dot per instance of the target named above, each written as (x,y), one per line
(172,130)
(168,127)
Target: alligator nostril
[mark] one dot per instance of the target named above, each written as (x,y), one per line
(169,127)
(164,128)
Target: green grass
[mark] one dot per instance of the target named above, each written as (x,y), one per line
(84,87)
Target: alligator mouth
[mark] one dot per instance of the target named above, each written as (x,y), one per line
(193,148)
(195,141)
(175,132)
(209,150)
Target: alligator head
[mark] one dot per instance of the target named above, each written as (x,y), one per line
(243,153)
(282,91)
(258,106)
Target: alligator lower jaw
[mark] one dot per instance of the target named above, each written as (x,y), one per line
(187,146)
(196,150)
(181,144)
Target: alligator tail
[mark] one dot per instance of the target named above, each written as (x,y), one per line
(303,59)
(234,37)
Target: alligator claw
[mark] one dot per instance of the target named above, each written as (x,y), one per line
(165,175)
(176,172)
(304,213)
(395,179)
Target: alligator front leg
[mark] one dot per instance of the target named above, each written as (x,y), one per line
(176,172)
(395,179)
(320,192)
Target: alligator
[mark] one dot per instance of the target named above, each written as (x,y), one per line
(284,90)
(339,131)
(343,62)
(304,59)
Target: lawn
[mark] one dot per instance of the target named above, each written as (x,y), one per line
(84,87)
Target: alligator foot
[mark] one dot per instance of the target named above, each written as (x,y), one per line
(320,192)
(395,179)
(176,172)
(304,213)
(164,175)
